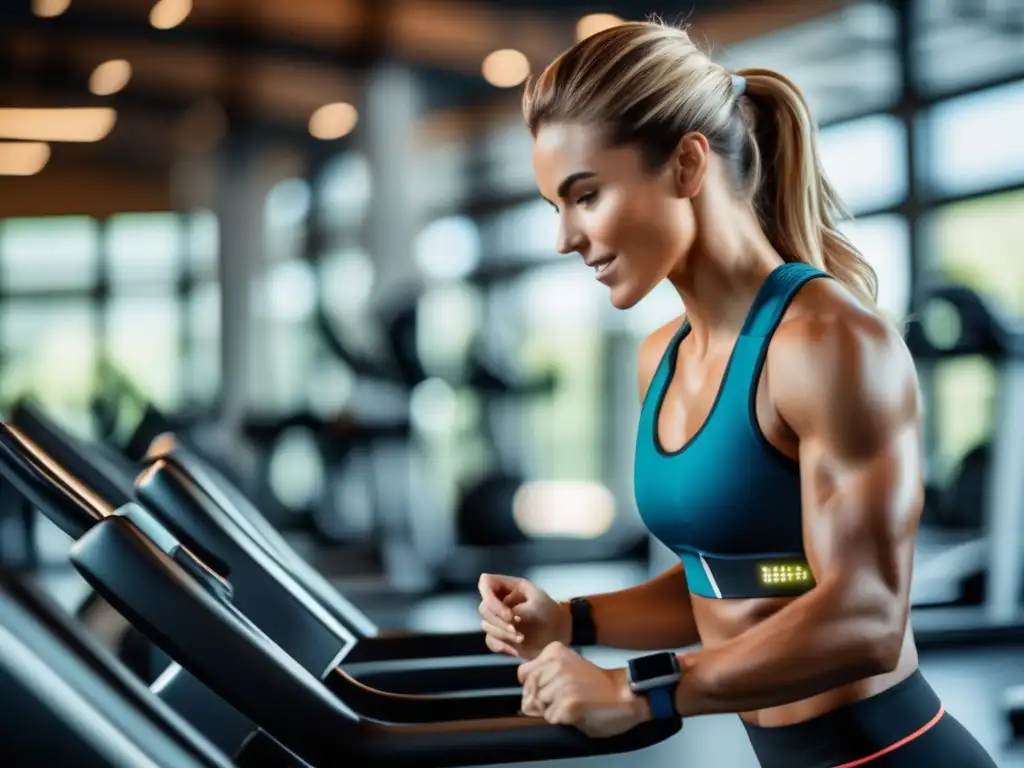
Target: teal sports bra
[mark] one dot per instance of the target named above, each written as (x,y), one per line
(728,503)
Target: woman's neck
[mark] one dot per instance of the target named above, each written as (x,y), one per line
(720,278)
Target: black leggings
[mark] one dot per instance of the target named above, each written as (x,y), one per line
(902,727)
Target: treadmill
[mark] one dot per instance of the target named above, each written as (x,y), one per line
(279,708)
(272,585)
(943,561)
(68,701)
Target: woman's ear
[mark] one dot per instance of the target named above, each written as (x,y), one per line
(691,164)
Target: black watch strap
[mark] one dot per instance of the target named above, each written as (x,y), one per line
(583,633)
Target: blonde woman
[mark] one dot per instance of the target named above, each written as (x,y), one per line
(779,445)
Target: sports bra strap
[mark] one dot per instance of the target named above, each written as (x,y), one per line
(776,293)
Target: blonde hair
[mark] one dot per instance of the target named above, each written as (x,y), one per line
(649,85)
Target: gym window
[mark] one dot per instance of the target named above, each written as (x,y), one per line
(144,250)
(977,243)
(528,230)
(973,142)
(974,243)
(866,160)
(50,346)
(346,188)
(48,254)
(884,241)
(993,33)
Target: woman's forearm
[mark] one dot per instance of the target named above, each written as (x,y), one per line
(654,615)
(824,639)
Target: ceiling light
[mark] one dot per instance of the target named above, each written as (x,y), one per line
(67,124)
(49,8)
(593,23)
(506,68)
(110,77)
(332,121)
(167,14)
(19,158)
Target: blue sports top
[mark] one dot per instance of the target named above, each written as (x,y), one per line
(728,502)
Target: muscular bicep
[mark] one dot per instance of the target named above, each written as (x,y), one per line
(847,388)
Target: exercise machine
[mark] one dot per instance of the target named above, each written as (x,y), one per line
(272,584)
(995,554)
(67,700)
(233,678)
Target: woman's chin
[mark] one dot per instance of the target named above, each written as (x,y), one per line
(623,296)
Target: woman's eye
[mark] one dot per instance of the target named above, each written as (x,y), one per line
(586,199)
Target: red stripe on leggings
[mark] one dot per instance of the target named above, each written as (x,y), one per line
(905,740)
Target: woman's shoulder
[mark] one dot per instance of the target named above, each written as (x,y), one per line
(830,343)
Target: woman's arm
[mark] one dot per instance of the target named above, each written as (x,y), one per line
(652,616)
(846,386)
(657,614)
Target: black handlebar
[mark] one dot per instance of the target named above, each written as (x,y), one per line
(61,498)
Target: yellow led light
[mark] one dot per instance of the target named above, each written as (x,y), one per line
(784,573)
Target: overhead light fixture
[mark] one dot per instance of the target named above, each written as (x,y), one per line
(332,121)
(47,9)
(110,77)
(168,14)
(506,68)
(593,23)
(23,158)
(77,124)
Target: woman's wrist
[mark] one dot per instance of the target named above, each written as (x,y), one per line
(639,705)
(563,623)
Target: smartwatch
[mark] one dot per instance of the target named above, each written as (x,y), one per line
(656,677)
(583,632)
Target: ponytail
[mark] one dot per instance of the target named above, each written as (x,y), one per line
(795,200)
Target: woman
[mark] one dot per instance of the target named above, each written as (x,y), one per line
(779,446)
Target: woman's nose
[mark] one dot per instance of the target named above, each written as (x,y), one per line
(570,239)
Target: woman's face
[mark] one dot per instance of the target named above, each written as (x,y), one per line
(632,226)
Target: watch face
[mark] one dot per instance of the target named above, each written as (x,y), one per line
(653,671)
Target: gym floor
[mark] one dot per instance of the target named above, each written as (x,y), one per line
(970,682)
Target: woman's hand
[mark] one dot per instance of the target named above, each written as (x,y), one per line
(566,689)
(518,618)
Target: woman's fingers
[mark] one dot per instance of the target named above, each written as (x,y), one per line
(496,626)
(499,646)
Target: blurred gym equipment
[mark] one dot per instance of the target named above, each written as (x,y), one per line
(271,583)
(957,322)
(184,606)
(67,701)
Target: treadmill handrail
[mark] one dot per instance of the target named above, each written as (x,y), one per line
(411,646)
(406,708)
(101,661)
(93,464)
(243,666)
(185,507)
(169,449)
(370,646)
(107,482)
(74,508)
(163,474)
(73,698)
(69,504)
